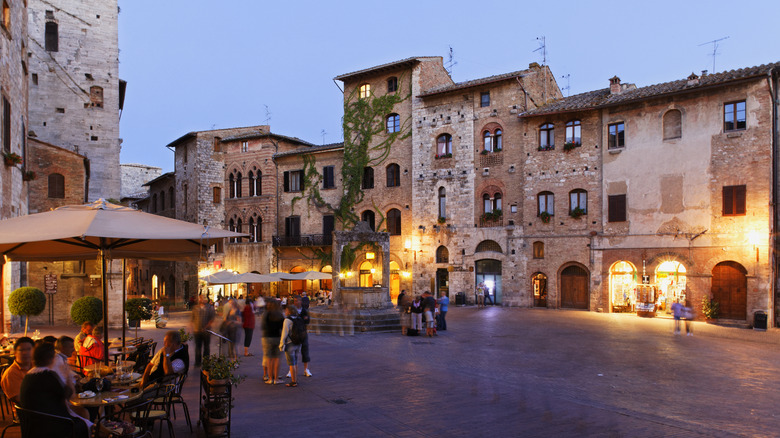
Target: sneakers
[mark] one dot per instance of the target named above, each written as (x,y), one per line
(288,375)
(307,373)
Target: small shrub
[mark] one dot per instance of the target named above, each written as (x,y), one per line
(87,309)
(26,301)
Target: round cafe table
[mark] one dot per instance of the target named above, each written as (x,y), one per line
(107,398)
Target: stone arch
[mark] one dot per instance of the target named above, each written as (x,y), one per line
(488,246)
(669,255)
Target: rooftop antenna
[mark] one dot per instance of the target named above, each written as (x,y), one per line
(450,62)
(267,115)
(568,83)
(323,136)
(714,49)
(543,48)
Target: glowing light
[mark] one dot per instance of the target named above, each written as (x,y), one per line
(342,275)
(406,274)
(754,238)
(408,244)
(373,270)
(370,256)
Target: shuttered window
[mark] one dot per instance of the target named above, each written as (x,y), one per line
(328,178)
(734,200)
(617,208)
(56,186)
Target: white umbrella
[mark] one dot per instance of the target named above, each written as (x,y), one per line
(222,277)
(251,277)
(309,275)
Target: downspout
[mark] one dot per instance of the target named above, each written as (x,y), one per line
(775,217)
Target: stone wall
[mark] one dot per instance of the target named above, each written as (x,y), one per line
(134,176)
(45,160)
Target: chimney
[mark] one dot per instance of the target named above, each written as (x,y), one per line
(704,72)
(614,85)
(693,80)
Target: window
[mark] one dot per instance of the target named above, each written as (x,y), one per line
(498,143)
(444,145)
(56,186)
(734,200)
(252,230)
(492,141)
(368,178)
(251,178)
(547,137)
(238,185)
(162,200)
(239,228)
(292,226)
(393,123)
(328,225)
(96,96)
(6,16)
(231,186)
(217,141)
(6,125)
(573,133)
(52,37)
(217,192)
(259,229)
(293,181)
(171,198)
(578,199)
(442,202)
(546,203)
(616,137)
(154,203)
(538,250)
(369,218)
(488,246)
(484,99)
(392,84)
(393,175)
(258,182)
(365,91)
(487,141)
(442,255)
(734,116)
(394,222)
(491,204)
(616,208)
(672,124)
(497,202)
(328,177)
(244,146)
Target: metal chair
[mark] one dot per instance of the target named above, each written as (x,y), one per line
(161,405)
(41,424)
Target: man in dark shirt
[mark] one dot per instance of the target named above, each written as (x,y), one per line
(429,307)
(173,358)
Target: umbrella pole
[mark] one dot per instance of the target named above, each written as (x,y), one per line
(104,284)
(124,298)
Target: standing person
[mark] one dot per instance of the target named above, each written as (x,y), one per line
(444,304)
(271,323)
(293,334)
(305,301)
(202,318)
(13,375)
(303,313)
(429,306)
(677,311)
(230,325)
(403,311)
(86,329)
(248,315)
(417,313)
(688,314)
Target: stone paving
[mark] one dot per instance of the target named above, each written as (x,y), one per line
(518,372)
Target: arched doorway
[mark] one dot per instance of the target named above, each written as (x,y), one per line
(574,287)
(155,287)
(326,284)
(671,281)
(729,289)
(539,284)
(622,286)
(297,286)
(489,272)
(395,281)
(366,274)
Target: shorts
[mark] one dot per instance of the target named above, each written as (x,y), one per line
(271,348)
(291,354)
(430,322)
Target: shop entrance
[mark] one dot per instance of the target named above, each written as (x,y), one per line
(622,287)
(539,285)
(670,280)
(729,289)
(395,281)
(442,282)
(574,288)
(489,272)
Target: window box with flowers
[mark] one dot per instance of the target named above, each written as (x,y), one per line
(493,215)
(11,159)
(442,156)
(570,145)
(545,217)
(577,213)
(28,175)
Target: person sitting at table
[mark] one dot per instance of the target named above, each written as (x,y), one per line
(92,349)
(173,358)
(44,391)
(12,377)
(86,330)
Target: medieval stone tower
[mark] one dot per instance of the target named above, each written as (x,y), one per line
(75,91)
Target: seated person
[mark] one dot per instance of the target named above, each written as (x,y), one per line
(12,377)
(86,330)
(173,358)
(92,350)
(44,391)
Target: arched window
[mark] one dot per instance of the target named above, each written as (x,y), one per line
(238,185)
(394,222)
(239,226)
(365,91)
(251,178)
(172,198)
(392,84)
(487,204)
(442,255)
(578,202)
(498,143)
(573,133)
(258,183)
(162,200)
(442,203)
(538,250)
(369,217)
(546,137)
(497,202)
(368,178)
(51,36)
(56,185)
(393,175)
(487,141)
(672,124)
(546,203)
(393,123)
(154,203)
(232,227)
(444,145)
(232,186)
(259,229)
(252,236)
(488,246)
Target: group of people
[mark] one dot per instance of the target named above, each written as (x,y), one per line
(413,310)
(682,311)
(238,316)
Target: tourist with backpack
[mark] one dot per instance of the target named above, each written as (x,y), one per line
(293,336)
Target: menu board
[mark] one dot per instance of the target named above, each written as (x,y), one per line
(50,283)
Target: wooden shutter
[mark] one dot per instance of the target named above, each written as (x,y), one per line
(740,194)
(734,200)
(617,208)
(286,181)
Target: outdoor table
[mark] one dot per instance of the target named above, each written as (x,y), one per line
(107,398)
(114,352)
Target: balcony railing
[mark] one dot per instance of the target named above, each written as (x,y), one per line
(304,240)
(491,222)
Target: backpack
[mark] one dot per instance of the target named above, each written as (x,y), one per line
(298,331)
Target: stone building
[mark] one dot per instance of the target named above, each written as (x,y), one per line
(134,177)
(75,92)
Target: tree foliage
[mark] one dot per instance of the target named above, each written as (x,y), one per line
(27,301)
(87,309)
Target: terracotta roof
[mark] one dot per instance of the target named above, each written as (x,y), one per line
(263,134)
(323,148)
(603,98)
(408,62)
(475,82)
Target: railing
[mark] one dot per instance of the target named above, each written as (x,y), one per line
(486,223)
(491,159)
(303,240)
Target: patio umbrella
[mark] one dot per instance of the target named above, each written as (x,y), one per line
(309,275)
(222,277)
(251,277)
(105,230)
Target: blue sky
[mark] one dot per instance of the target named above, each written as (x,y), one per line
(197,65)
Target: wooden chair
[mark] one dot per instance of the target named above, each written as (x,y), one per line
(41,424)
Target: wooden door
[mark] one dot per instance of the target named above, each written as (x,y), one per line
(574,288)
(729,289)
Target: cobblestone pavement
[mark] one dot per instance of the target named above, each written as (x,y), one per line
(519,372)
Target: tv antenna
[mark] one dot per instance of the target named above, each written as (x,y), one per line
(568,83)
(267,115)
(542,48)
(323,136)
(450,62)
(714,49)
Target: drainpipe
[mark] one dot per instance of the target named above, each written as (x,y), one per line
(775,217)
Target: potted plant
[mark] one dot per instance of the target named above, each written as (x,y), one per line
(87,309)
(219,371)
(569,145)
(710,309)
(26,301)
(28,175)
(442,220)
(577,213)
(218,411)
(138,309)
(11,159)
(184,335)
(545,217)
(484,152)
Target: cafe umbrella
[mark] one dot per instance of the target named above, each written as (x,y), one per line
(106,231)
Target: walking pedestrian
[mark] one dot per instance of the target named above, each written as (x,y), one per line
(271,323)
(481,295)
(403,310)
(293,335)
(202,319)
(677,312)
(248,316)
(416,313)
(688,314)
(444,304)
(303,313)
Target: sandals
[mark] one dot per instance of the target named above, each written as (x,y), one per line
(292,384)
(266,378)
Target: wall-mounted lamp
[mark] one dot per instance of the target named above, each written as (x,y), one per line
(406,274)
(408,244)
(370,256)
